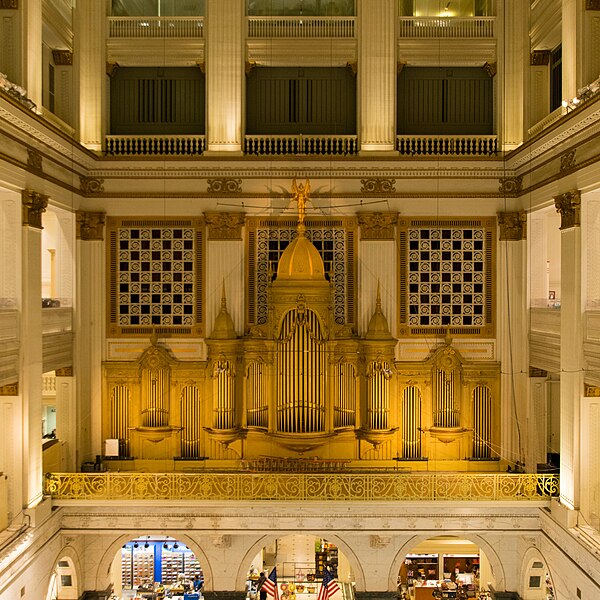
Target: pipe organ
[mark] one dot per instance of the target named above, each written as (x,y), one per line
(257,411)
(190,421)
(224,394)
(378,398)
(482,422)
(445,412)
(345,395)
(411,422)
(119,422)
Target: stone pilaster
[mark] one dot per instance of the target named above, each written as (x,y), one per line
(66,425)
(225,67)
(31,49)
(89,327)
(539,85)
(377,72)
(90,70)
(30,378)
(571,347)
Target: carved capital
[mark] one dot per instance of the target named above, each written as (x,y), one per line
(591,391)
(62,58)
(592,4)
(91,185)
(567,161)
(224,185)
(490,68)
(511,185)
(250,64)
(111,68)
(377,226)
(64,372)
(34,159)
(378,185)
(224,225)
(34,204)
(539,58)
(11,389)
(9,4)
(513,226)
(400,67)
(569,207)
(90,225)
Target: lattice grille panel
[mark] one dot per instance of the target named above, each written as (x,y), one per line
(446,276)
(155,276)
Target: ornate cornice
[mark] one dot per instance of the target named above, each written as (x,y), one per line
(539,58)
(90,225)
(11,389)
(224,225)
(224,185)
(9,4)
(510,185)
(513,226)
(569,207)
(91,185)
(567,161)
(377,226)
(34,204)
(34,159)
(378,185)
(62,58)
(64,372)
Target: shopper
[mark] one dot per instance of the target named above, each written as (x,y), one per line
(259,586)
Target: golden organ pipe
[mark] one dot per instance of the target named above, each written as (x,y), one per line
(120,417)
(190,412)
(411,423)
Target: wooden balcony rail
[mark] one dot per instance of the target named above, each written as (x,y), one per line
(156,27)
(300,486)
(460,145)
(263,145)
(446,27)
(150,145)
(301,27)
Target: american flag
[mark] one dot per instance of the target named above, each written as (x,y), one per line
(329,587)
(270,585)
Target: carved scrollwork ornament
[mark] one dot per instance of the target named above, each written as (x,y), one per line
(224,225)
(377,226)
(62,58)
(34,159)
(378,185)
(91,185)
(90,225)
(567,161)
(9,4)
(11,389)
(513,226)
(490,68)
(539,58)
(224,185)
(569,207)
(511,185)
(592,4)
(34,205)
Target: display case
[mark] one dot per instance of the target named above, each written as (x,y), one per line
(421,567)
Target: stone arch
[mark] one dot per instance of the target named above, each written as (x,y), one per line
(530,556)
(102,573)
(261,542)
(68,554)
(492,556)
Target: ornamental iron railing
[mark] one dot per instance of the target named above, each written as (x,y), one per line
(301,486)
(455,145)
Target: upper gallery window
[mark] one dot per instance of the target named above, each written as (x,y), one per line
(308,8)
(157,8)
(446,8)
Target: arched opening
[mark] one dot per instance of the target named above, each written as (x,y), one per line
(63,581)
(300,562)
(537,580)
(156,566)
(445,567)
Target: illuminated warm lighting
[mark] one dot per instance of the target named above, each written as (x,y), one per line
(576,100)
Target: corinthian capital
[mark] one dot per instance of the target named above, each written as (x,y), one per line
(34,204)
(569,207)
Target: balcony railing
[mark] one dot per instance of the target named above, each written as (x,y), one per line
(269,145)
(461,145)
(301,27)
(156,27)
(446,27)
(149,145)
(57,320)
(300,486)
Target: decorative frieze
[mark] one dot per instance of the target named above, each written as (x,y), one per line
(91,185)
(511,185)
(34,159)
(90,225)
(569,207)
(567,161)
(11,389)
(224,225)
(64,372)
(491,68)
(377,226)
(62,58)
(513,226)
(34,204)
(378,185)
(224,185)
(539,58)
(9,4)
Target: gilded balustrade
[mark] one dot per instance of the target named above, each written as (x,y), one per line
(300,486)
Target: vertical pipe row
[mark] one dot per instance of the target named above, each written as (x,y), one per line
(411,423)
(257,399)
(120,418)
(482,424)
(190,421)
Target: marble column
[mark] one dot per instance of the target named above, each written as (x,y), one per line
(571,347)
(513,58)
(89,328)
(90,71)
(30,377)
(225,78)
(512,321)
